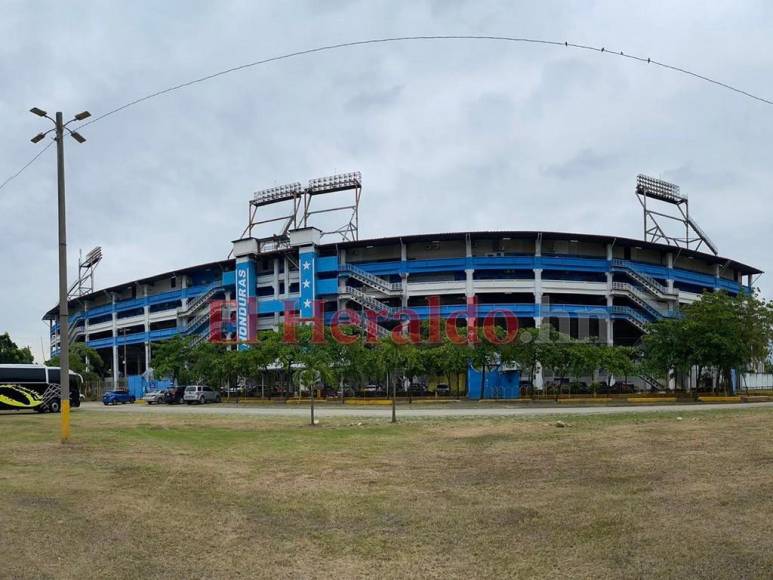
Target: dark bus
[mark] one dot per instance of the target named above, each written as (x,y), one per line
(35,387)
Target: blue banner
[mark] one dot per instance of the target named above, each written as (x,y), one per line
(308,285)
(246,310)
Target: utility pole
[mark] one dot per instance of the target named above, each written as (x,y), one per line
(64,312)
(64,337)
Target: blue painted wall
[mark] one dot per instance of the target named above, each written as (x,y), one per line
(138,386)
(499,384)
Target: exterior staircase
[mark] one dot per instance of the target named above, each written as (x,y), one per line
(199,301)
(648,283)
(198,339)
(375,282)
(640,298)
(652,382)
(373,304)
(197,312)
(631,315)
(196,323)
(369,302)
(74,331)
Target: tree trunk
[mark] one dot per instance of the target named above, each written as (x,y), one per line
(482,382)
(311,395)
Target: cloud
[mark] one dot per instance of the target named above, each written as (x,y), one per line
(375,99)
(581,165)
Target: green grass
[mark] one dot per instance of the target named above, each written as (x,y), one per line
(206,496)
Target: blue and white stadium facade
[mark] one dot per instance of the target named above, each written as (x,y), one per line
(585,285)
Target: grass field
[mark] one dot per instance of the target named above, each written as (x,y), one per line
(197,496)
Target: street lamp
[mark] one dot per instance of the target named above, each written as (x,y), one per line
(64,339)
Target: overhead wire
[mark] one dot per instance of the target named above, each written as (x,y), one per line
(396,39)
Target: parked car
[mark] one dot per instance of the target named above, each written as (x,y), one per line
(373,391)
(579,387)
(200,394)
(156,397)
(417,390)
(174,395)
(335,392)
(117,398)
(442,390)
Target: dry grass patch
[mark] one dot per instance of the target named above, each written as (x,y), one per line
(206,496)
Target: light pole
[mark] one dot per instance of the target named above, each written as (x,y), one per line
(64,339)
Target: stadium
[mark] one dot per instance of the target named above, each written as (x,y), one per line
(598,286)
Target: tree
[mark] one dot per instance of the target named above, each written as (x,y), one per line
(349,355)
(484,355)
(393,356)
(584,360)
(287,356)
(316,365)
(213,364)
(556,355)
(173,358)
(718,331)
(618,360)
(526,352)
(665,347)
(446,359)
(10,353)
(260,357)
(83,360)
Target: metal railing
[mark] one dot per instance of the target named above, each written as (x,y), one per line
(196,322)
(198,339)
(632,315)
(709,242)
(197,302)
(648,282)
(372,280)
(652,382)
(374,305)
(369,302)
(640,298)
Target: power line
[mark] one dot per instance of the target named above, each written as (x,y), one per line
(30,162)
(396,39)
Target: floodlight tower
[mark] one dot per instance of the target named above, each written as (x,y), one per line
(86,266)
(349,231)
(655,221)
(299,211)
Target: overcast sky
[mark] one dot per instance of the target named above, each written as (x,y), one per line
(448,135)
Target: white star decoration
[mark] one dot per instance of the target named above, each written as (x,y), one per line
(307,303)
(306,283)
(306,265)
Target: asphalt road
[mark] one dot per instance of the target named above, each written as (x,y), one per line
(447,410)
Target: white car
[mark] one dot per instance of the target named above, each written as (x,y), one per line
(152,397)
(200,394)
